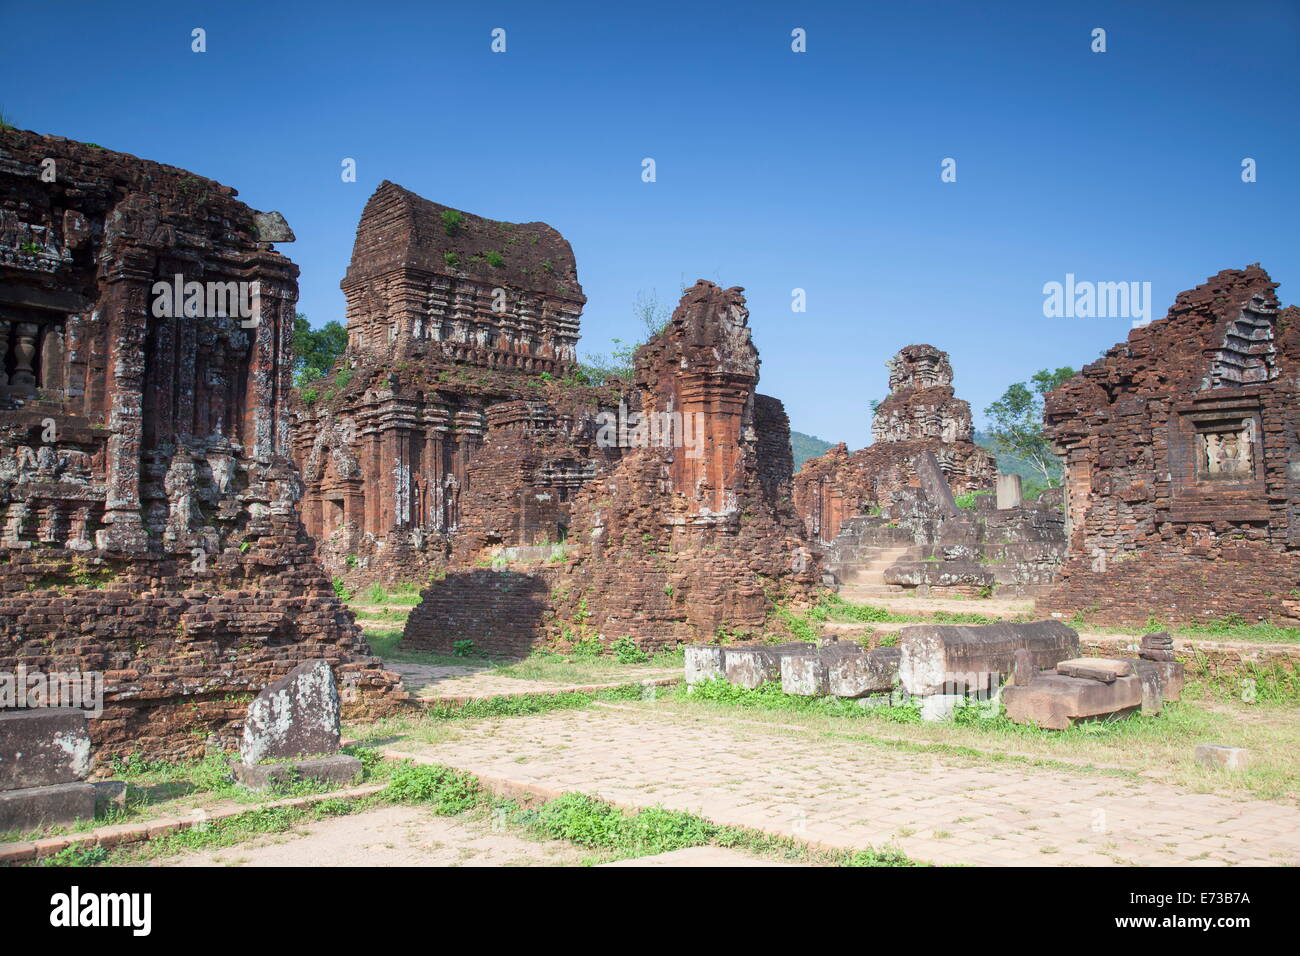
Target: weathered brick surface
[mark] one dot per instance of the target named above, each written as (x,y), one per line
(920,414)
(148,496)
(1182,453)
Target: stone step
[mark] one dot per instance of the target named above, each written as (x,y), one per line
(861,593)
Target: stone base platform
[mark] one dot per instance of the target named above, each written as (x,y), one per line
(336,769)
(36,807)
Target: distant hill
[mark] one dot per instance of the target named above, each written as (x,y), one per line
(806,446)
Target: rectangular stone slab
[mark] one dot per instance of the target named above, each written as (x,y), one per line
(948,658)
(36,807)
(703,662)
(1104,669)
(43,746)
(338,769)
(1055,701)
(875,672)
(753,665)
(1219,757)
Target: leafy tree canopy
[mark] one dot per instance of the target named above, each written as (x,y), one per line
(1017,422)
(315,350)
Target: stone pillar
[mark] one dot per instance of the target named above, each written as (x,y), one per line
(24,354)
(1008,492)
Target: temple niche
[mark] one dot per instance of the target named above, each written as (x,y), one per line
(462,332)
(148,523)
(685,530)
(1182,458)
(920,414)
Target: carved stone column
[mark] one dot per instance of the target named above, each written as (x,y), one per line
(25,354)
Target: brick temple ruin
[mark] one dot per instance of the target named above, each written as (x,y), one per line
(150,527)
(680,537)
(1180,449)
(921,413)
(460,329)
(886,517)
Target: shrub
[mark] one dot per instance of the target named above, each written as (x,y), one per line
(446,791)
(627,652)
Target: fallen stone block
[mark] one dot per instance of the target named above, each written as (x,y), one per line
(296,716)
(862,675)
(1219,757)
(1104,669)
(752,665)
(36,807)
(339,769)
(808,674)
(704,662)
(957,659)
(1055,701)
(803,674)
(43,746)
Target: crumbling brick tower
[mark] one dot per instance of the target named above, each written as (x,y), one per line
(1182,458)
(687,532)
(920,414)
(449,316)
(149,528)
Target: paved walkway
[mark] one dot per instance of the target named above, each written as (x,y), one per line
(451,680)
(851,794)
(390,836)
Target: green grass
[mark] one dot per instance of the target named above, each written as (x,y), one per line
(406,593)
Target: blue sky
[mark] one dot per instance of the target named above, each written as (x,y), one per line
(775,170)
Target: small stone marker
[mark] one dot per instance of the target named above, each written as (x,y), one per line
(297,716)
(1220,757)
(1008,492)
(292,731)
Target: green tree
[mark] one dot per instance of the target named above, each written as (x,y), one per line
(1017,422)
(315,350)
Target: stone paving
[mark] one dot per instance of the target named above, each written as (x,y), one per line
(390,836)
(452,680)
(853,794)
